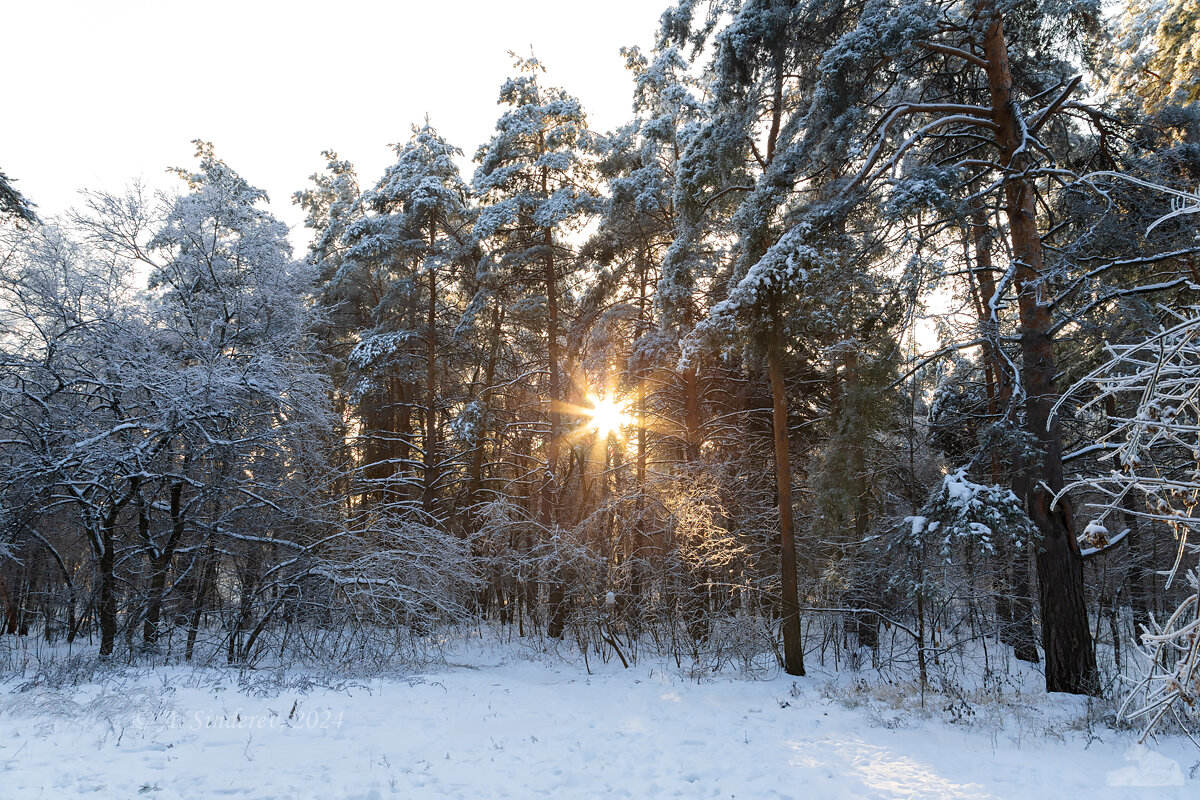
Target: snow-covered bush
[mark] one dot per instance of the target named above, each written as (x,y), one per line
(1156,458)
(962,511)
(965,542)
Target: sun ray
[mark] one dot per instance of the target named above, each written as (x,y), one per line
(607,415)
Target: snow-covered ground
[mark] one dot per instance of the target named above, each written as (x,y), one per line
(507,726)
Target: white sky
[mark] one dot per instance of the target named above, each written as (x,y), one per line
(98,93)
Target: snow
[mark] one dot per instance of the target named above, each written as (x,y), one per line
(972,511)
(1149,769)
(1095,538)
(509,726)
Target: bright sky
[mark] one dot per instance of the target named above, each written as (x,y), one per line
(98,93)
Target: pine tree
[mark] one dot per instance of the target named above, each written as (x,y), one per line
(416,234)
(1156,48)
(940,115)
(13,203)
(535,185)
(763,62)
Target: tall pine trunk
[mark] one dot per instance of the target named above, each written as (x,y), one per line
(793,650)
(107,604)
(1066,638)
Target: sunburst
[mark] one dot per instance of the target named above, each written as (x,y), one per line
(607,415)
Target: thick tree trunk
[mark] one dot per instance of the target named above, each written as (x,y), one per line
(160,563)
(10,610)
(104,544)
(1066,637)
(107,604)
(154,592)
(793,649)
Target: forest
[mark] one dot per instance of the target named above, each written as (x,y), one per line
(871,340)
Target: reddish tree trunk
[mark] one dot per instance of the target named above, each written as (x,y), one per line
(1066,638)
(793,650)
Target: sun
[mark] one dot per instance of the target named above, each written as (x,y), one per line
(607,415)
